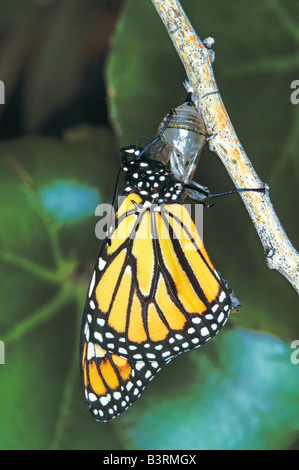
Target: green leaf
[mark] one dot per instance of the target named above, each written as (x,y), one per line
(45,268)
(12,9)
(140,88)
(239,392)
(61,55)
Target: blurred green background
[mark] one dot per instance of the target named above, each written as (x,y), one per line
(83,78)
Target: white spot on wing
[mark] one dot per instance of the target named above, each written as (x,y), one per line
(221,317)
(196,320)
(91,287)
(204,331)
(129,386)
(99,352)
(98,336)
(92,397)
(104,400)
(90,351)
(102,264)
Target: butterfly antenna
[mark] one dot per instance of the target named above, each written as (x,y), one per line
(139,137)
(170,114)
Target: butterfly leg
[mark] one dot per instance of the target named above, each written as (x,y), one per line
(241,190)
(199,193)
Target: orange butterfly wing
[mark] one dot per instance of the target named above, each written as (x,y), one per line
(154,294)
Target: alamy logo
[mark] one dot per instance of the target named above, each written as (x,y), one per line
(295,353)
(2,92)
(107,213)
(2,353)
(295,94)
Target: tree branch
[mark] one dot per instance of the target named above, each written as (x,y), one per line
(279,252)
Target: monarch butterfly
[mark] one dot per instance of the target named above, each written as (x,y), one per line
(154,292)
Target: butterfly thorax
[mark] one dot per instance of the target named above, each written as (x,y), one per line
(150,178)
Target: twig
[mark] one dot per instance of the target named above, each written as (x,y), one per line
(279,252)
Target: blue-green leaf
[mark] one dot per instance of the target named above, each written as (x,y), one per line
(69,201)
(239,392)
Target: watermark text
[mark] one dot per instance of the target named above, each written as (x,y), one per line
(152,221)
(2,92)
(295,94)
(295,353)
(2,353)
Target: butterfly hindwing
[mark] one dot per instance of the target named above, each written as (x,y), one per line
(111,382)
